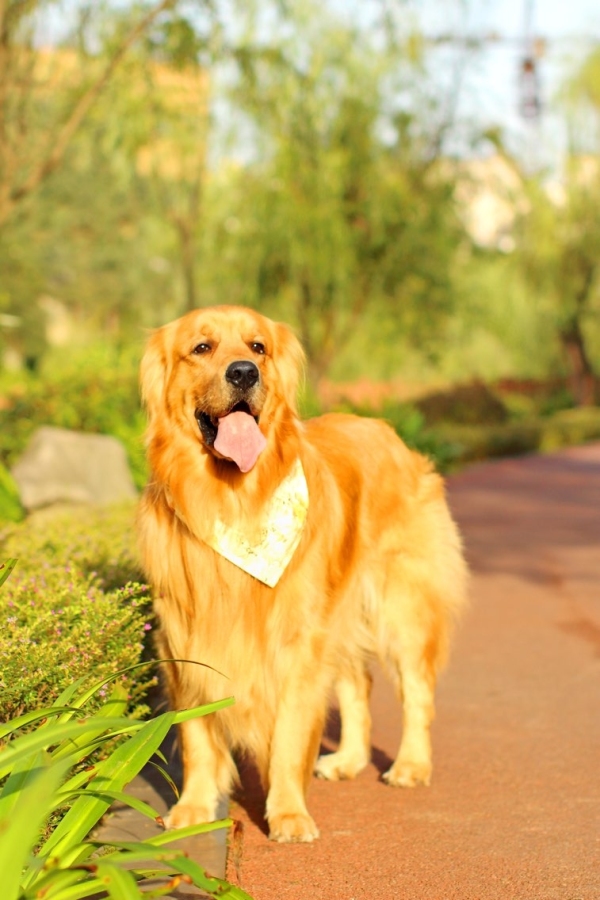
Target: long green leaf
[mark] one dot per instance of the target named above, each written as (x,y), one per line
(6,568)
(120,884)
(54,882)
(18,780)
(166,776)
(168,837)
(113,796)
(222,889)
(115,772)
(184,715)
(55,733)
(114,706)
(20,832)
(71,690)
(132,853)
(37,715)
(98,685)
(57,887)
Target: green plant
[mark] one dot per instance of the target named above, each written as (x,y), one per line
(93,390)
(45,765)
(76,607)
(10,503)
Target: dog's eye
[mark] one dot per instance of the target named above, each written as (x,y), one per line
(257,347)
(201,348)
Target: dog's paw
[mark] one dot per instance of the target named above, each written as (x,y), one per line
(338,766)
(298,828)
(408,774)
(183,814)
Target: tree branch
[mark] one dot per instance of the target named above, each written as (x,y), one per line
(55,152)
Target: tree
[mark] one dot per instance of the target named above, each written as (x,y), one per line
(559,249)
(345,209)
(559,254)
(35,132)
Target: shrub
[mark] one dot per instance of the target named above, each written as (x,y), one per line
(75,606)
(97,393)
(464,404)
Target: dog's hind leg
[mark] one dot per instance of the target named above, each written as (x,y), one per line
(353,687)
(413,636)
(208,773)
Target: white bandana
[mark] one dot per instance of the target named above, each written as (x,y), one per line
(266,556)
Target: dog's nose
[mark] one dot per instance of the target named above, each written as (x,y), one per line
(242,374)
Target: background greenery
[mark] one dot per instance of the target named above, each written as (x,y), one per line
(281,156)
(74,607)
(159,156)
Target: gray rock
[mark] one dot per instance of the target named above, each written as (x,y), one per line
(61,466)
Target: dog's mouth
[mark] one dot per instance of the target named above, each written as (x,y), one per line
(235,435)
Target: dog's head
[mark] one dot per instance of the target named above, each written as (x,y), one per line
(226,376)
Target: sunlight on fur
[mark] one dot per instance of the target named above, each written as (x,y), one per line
(376,567)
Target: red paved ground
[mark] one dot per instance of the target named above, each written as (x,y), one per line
(513,812)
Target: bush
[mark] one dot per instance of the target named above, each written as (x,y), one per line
(566,428)
(75,606)
(97,393)
(465,404)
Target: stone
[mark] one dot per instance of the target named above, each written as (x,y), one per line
(62,466)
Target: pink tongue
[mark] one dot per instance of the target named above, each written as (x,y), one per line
(240,439)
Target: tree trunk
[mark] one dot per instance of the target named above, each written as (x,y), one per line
(581,374)
(187,242)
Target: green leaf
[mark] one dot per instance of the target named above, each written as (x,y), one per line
(56,733)
(20,831)
(168,837)
(37,715)
(222,889)
(114,773)
(184,715)
(113,796)
(120,884)
(165,774)
(6,568)
(98,685)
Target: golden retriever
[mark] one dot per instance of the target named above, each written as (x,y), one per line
(286,555)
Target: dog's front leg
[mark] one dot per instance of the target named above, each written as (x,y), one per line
(208,772)
(294,748)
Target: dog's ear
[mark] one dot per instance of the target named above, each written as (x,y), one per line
(153,373)
(289,361)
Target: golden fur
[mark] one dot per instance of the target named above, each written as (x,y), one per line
(378,573)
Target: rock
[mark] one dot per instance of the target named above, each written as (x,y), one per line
(61,466)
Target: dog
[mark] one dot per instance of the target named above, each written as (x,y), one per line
(285,555)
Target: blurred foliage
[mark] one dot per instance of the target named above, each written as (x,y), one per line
(476,443)
(292,161)
(559,252)
(75,606)
(95,390)
(10,502)
(466,404)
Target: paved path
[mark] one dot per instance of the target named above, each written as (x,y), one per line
(513,812)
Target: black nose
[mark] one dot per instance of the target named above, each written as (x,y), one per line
(242,374)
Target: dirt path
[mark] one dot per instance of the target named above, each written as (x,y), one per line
(513,812)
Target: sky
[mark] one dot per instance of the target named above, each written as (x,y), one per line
(490,88)
(569,28)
